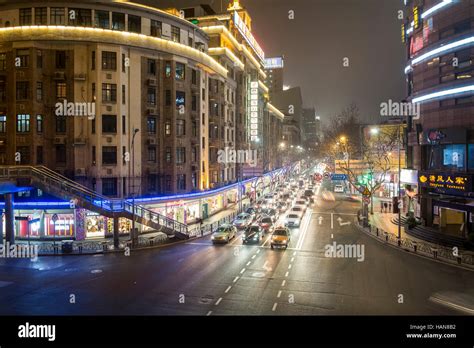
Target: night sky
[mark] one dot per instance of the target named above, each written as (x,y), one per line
(321,35)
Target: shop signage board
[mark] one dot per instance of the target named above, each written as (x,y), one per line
(446,183)
(338,177)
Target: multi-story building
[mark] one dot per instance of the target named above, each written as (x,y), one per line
(440,47)
(112,94)
(274,69)
(309,128)
(247,120)
(290,103)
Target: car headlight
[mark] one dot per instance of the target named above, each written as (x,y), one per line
(213,237)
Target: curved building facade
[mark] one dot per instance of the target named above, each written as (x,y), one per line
(112,94)
(439,36)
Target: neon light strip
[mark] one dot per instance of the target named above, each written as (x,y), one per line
(228,53)
(275,111)
(443,93)
(438,51)
(176,48)
(263,86)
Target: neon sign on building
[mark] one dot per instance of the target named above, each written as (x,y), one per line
(245,31)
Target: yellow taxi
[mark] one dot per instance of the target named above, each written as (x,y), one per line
(280,237)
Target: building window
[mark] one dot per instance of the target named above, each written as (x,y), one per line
(194,103)
(124,60)
(151,125)
(175,34)
(168,155)
(93,61)
(180,99)
(39,91)
(168,183)
(41,16)
(181,182)
(39,155)
(118,21)
(134,24)
(3,123)
(151,67)
(194,128)
(109,60)
(109,186)
(155,29)
(151,154)
(39,123)
(109,155)
(203,94)
(57,16)
(109,93)
(3,89)
(102,19)
(109,124)
(94,155)
(215,177)
(61,90)
(22,90)
(180,128)
(60,124)
(24,154)
(93,126)
(190,42)
(3,61)
(180,71)
(124,94)
(194,154)
(61,154)
(168,97)
(24,57)
(180,155)
(22,123)
(168,69)
(167,128)
(194,77)
(25,16)
(151,96)
(124,124)
(83,17)
(60,59)
(446,157)
(194,180)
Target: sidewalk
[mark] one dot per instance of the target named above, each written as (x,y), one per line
(384,222)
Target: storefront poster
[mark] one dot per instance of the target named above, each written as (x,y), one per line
(80,224)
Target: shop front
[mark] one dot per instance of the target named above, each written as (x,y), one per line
(409,194)
(447,203)
(98,226)
(45,224)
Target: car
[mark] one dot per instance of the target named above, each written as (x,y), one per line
(282,206)
(266,223)
(224,234)
(281,237)
(302,201)
(293,220)
(287,197)
(309,192)
(271,212)
(242,220)
(252,212)
(298,209)
(253,234)
(269,198)
(338,188)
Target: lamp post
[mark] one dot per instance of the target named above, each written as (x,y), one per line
(399,185)
(135,132)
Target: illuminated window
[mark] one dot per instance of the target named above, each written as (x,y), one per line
(23,123)
(109,92)
(168,69)
(175,34)
(151,125)
(41,16)
(109,60)
(155,28)
(39,123)
(3,123)
(61,90)
(167,128)
(180,98)
(180,71)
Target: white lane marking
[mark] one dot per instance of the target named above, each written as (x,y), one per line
(258,251)
(289,266)
(228,289)
(279,294)
(270,236)
(218,301)
(237,238)
(209,313)
(248,263)
(235,279)
(294,253)
(254,257)
(283,283)
(303,235)
(292,259)
(242,271)
(451,305)
(274,307)
(286,274)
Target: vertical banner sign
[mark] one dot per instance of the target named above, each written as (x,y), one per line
(403,33)
(253,111)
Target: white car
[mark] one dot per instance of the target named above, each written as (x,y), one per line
(293,220)
(298,209)
(338,188)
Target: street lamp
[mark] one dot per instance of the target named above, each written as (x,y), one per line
(343,139)
(374,131)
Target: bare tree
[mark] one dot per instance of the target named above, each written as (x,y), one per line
(368,164)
